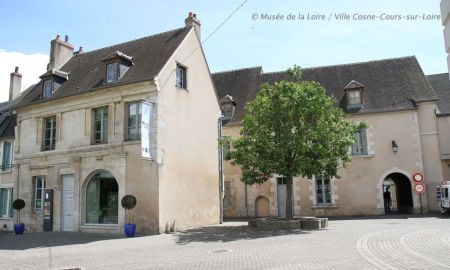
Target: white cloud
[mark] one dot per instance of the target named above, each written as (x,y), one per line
(31,66)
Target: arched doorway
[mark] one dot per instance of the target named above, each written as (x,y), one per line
(102,199)
(397,194)
(262,207)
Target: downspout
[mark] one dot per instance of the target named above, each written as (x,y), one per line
(221,177)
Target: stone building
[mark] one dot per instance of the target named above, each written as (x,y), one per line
(394,97)
(136,118)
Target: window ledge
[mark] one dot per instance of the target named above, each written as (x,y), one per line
(137,141)
(325,206)
(6,218)
(5,172)
(182,88)
(363,156)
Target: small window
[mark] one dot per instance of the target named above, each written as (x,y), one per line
(323,190)
(281,180)
(354,97)
(6,197)
(38,193)
(48,88)
(227,195)
(134,121)
(49,134)
(360,145)
(227,110)
(112,73)
(181,77)
(7,156)
(100,125)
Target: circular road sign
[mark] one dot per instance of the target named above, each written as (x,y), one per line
(419,188)
(418,177)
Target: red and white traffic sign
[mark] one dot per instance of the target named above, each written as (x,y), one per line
(418,177)
(419,188)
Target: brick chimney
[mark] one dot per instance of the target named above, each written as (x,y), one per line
(60,52)
(15,84)
(192,20)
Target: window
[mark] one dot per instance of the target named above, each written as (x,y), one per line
(360,145)
(49,134)
(181,77)
(227,110)
(354,97)
(323,190)
(227,195)
(111,73)
(102,196)
(38,193)
(7,156)
(101,125)
(48,88)
(134,121)
(226,149)
(6,197)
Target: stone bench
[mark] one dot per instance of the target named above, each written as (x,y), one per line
(306,223)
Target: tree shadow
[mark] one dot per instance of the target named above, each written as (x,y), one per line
(228,233)
(10,241)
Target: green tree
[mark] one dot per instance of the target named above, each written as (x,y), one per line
(292,128)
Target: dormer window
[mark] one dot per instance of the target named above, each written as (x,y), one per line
(354,95)
(117,64)
(52,80)
(228,106)
(48,88)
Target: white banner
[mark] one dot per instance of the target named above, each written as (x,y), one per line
(146,129)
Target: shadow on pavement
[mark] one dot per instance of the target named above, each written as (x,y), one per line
(228,233)
(10,241)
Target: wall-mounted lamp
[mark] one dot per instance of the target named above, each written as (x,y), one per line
(394,146)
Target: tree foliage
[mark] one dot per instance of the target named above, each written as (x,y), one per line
(292,128)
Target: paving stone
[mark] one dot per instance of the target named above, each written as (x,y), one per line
(393,243)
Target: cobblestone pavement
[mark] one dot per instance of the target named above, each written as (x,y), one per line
(394,243)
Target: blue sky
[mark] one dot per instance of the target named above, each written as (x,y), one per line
(28,26)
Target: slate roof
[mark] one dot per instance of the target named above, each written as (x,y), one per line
(7,119)
(241,84)
(87,71)
(441,85)
(389,85)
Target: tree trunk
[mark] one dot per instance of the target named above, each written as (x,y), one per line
(289,209)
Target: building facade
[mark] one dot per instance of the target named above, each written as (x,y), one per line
(394,98)
(121,120)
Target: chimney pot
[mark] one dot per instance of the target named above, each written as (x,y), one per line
(192,21)
(16,70)
(58,36)
(66,38)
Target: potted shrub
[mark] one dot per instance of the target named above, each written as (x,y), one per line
(129,202)
(18,205)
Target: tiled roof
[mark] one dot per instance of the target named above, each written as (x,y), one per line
(389,85)
(441,85)
(87,71)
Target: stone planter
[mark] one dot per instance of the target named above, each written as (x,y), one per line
(305,223)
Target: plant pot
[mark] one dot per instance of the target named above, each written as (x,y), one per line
(19,228)
(130,230)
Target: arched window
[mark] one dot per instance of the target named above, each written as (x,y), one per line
(102,196)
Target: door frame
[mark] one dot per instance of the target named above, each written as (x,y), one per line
(62,203)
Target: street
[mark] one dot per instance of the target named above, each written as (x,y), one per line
(398,242)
